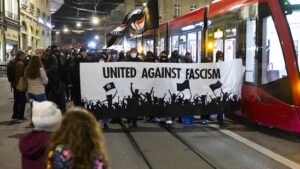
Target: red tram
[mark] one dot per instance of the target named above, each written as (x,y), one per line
(264,33)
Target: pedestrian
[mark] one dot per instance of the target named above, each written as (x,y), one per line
(223,106)
(46,118)
(78,143)
(36,80)
(19,96)
(150,57)
(122,57)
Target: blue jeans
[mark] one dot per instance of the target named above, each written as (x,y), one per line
(35,97)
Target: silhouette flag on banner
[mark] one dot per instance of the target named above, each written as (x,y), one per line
(182,86)
(215,86)
(109,86)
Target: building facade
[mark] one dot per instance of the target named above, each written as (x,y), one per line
(9,28)
(35,24)
(170,9)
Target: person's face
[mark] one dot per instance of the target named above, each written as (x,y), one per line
(23,57)
(134,55)
(84,54)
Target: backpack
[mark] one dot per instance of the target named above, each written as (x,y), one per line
(11,71)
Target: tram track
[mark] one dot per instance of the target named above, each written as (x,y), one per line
(139,150)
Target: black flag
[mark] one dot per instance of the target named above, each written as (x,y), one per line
(109,86)
(182,86)
(152,15)
(215,86)
(116,34)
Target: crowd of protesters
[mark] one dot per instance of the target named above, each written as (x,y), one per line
(51,78)
(54,75)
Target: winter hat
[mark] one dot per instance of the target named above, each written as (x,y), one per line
(45,116)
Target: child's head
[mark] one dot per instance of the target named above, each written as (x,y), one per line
(81,134)
(45,116)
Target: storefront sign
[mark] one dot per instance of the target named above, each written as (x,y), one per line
(12,35)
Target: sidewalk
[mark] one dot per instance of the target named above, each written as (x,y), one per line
(10,130)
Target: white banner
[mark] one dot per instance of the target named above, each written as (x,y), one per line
(139,82)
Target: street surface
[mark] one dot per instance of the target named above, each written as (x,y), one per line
(242,145)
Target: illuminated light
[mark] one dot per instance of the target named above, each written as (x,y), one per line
(48,24)
(92,44)
(211,45)
(78,24)
(95,20)
(189,27)
(57,32)
(66,30)
(144,4)
(41,21)
(97,37)
(218,34)
(295,2)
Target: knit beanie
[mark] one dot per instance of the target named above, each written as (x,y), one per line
(46,116)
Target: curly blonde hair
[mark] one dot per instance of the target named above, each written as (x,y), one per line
(81,134)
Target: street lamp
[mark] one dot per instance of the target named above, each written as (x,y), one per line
(145,4)
(95,20)
(97,37)
(78,24)
(65,30)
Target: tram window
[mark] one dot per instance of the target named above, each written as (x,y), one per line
(218,47)
(162,44)
(294,23)
(192,45)
(230,49)
(273,63)
(174,45)
(199,46)
(182,45)
(250,51)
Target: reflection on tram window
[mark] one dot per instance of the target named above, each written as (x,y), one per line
(230,49)
(273,63)
(174,45)
(192,45)
(148,45)
(294,23)
(162,44)
(218,47)
(230,32)
(199,46)
(250,51)
(182,45)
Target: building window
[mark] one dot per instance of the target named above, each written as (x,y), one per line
(177,10)
(11,9)
(24,2)
(31,8)
(193,7)
(38,12)
(44,15)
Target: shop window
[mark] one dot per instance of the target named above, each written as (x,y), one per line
(273,63)
(250,51)
(192,45)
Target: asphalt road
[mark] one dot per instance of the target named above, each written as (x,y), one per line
(242,145)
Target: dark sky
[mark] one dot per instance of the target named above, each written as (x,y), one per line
(82,10)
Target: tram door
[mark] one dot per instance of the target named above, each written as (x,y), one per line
(182,45)
(274,90)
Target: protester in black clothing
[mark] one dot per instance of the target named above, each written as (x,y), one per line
(188,58)
(75,76)
(175,58)
(55,89)
(122,57)
(133,55)
(150,57)
(220,117)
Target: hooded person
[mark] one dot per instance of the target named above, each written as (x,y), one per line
(46,118)
(133,55)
